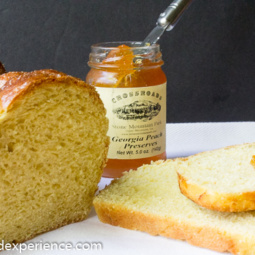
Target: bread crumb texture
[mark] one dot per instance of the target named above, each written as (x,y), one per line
(150,200)
(227,170)
(53,147)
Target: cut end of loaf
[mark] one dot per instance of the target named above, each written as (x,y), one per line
(53,148)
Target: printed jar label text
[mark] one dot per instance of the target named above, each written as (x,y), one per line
(137,121)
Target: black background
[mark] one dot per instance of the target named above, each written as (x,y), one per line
(209,56)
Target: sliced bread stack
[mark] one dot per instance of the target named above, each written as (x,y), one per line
(53,148)
(150,200)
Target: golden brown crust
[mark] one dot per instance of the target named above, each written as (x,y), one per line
(16,84)
(7,76)
(2,69)
(205,237)
(215,201)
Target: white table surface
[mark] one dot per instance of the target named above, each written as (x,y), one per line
(182,140)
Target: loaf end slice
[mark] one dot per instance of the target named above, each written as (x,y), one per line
(149,200)
(53,148)
(221,180)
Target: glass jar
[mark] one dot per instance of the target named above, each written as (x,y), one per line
(132,85)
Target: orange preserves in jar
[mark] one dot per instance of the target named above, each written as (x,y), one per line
(132,85)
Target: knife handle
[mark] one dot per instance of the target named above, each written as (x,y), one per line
(172,13)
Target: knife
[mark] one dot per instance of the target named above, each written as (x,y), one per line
(167,20)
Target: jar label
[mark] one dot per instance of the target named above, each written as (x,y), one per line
(137,121)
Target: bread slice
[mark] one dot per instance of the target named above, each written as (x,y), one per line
(222,180)
(53,147)
(149,200)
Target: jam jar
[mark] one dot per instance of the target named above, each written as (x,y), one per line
(132,86)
